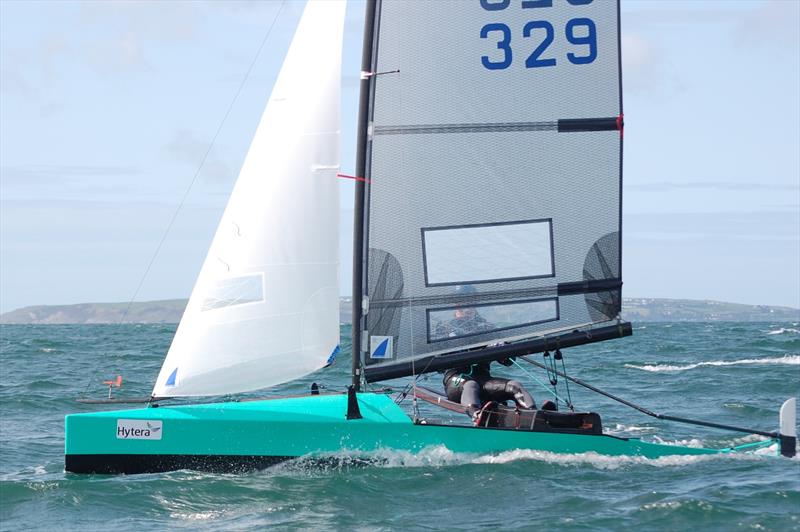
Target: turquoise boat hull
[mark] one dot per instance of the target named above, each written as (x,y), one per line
(235,436)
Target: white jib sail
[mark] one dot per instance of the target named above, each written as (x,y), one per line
(265,307)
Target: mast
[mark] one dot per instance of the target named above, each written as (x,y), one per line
(359,225)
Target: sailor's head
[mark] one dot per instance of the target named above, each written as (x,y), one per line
(462,312)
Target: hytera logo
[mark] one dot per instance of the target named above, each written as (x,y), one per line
(138,429)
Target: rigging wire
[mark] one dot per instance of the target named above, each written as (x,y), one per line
(192,182)
(539,382)
(413,384)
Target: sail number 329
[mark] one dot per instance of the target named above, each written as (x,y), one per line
(580,32)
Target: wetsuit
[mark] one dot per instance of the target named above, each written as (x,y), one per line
(472,386)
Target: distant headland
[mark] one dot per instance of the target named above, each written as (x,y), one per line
(170,311)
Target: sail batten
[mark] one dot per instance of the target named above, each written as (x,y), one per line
(491,206)
(265,308)
(561,125)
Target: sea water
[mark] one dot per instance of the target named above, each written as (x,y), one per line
(733,373)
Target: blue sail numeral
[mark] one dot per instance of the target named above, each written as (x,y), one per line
(578,31)
(494,6)
(590,40)
(526,4)
(533,60)
(504,44)
(488,5)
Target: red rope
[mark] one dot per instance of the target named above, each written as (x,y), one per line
(621,124)
(363,180)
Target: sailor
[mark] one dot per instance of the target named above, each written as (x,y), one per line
(473,386)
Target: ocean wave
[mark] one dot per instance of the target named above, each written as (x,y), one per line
(791,360)
(784,331)
(198,516)
(620,429)
(691,442)
(440,456)
(596,460)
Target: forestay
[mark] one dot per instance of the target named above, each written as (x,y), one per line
(493,167)
(265,307)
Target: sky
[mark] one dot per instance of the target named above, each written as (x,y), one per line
(111,111)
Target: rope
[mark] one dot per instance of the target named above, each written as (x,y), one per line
(552,373)
(559,356)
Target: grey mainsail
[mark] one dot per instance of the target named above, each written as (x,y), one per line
(491,152)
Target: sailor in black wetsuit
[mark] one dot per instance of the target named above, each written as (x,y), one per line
(472,386)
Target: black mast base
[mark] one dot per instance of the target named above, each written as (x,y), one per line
(353,412)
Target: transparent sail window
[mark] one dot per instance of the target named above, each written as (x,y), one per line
(458,322)
(488,252)
(234,291)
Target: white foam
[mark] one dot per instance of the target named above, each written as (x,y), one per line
(791,360)
(596,460)
(620,428)
(440,456)
(196,516)
(674,505)
(692,442)
(770,450)
(784,331)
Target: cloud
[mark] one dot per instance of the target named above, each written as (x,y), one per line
(68,183)
(775,24)
(713,185)
(49,172)
(30,71)
(240,6)
(119,53)
(677,13)
(173,21)
(727,225)
(13,81)
(186,148)
(771,23)
(120,35)
(640,62)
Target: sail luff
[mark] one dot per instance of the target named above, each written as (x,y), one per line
(621,127)
(264,309)
(359,225)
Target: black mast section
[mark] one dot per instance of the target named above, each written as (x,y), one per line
(359,225)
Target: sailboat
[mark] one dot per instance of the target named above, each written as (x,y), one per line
(489,156)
